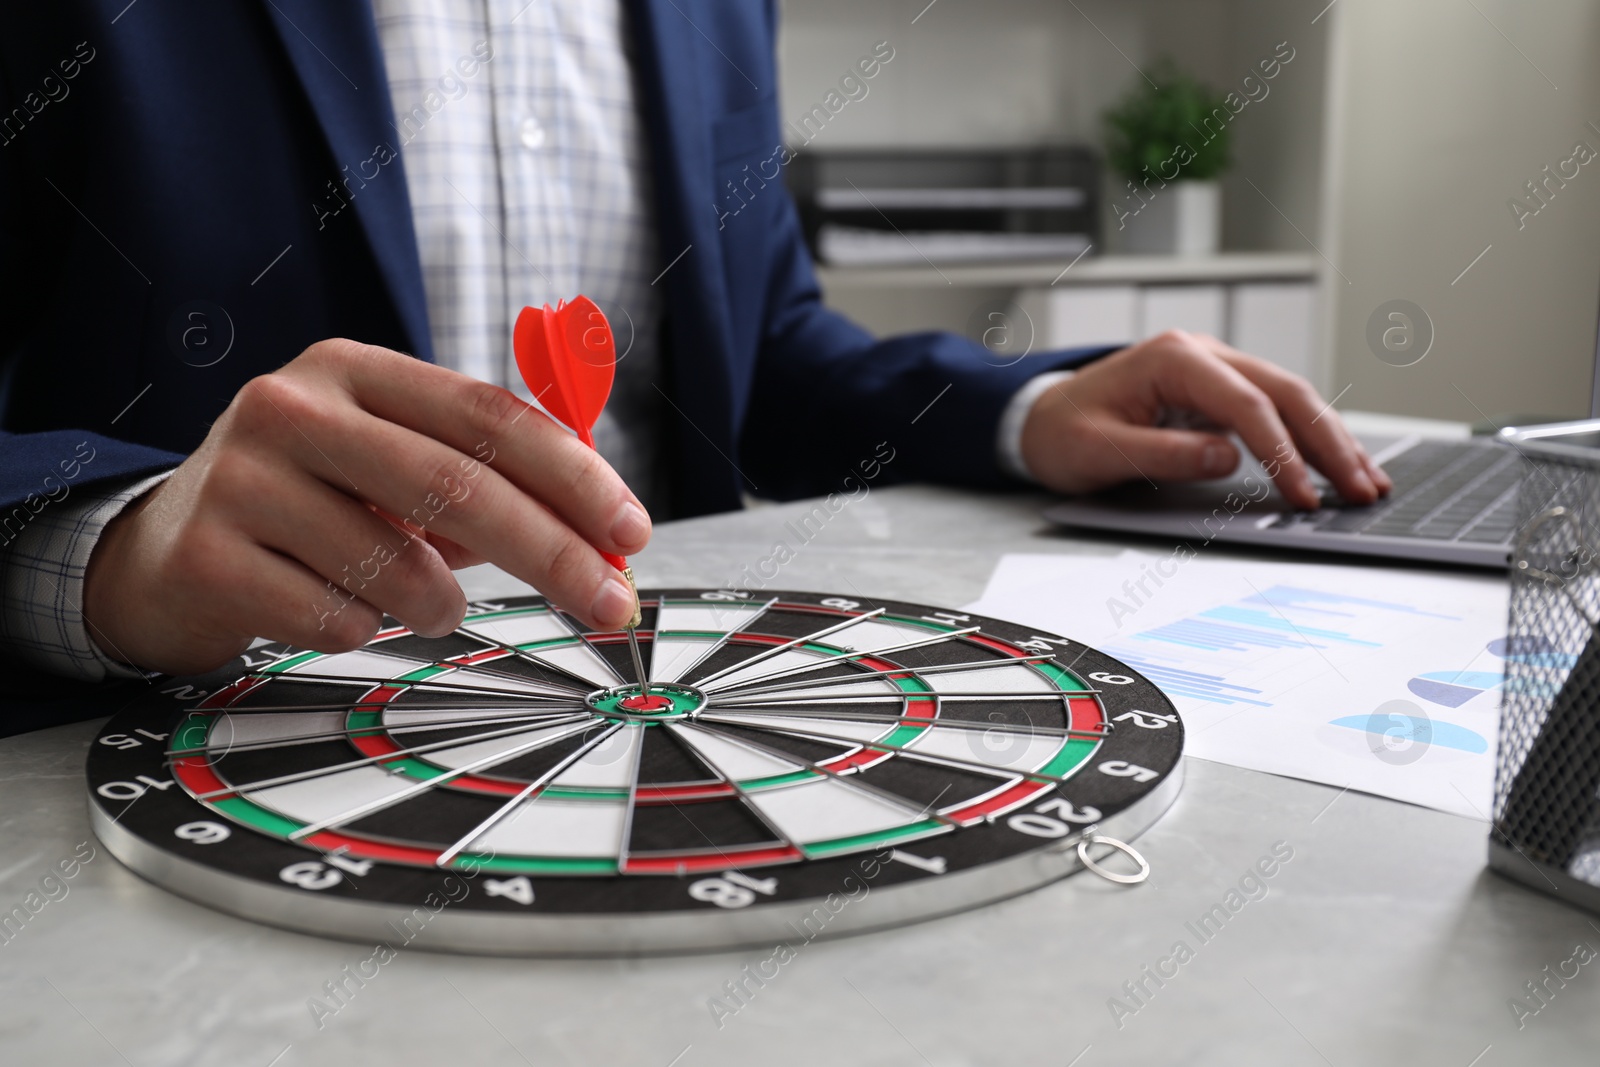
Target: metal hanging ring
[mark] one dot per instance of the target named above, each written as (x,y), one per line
(1121,846)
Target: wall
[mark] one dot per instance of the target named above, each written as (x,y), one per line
(1018,72)
(1446,108)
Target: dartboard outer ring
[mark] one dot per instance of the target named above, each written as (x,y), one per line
(145,805)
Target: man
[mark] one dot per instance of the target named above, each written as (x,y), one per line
(220,225)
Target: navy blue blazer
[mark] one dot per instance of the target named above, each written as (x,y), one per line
(191,194)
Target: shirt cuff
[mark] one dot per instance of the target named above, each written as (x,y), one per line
(1008,443)
(41,584)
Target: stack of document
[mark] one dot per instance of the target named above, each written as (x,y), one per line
(1375,679)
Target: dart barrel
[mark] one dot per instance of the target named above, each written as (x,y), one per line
(1546,831)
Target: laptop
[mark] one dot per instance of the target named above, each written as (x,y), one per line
(1454,501)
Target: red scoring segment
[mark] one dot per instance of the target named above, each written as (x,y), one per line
(646,702)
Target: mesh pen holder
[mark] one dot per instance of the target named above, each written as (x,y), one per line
(1546,831)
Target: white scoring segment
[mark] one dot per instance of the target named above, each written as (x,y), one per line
(231,730)
(840,728)
(488,716)
(772,665)
(472,751)
(721,616)
(732,759)
(329,796)
(878,633)
(825,808)
(518,630)
(998,679)
(551,826)
(362,665)
(608,765)
(866,636)
(369,665)
(805,685)
(497,682)
(672,653)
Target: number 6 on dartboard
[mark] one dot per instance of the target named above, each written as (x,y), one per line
(785,751)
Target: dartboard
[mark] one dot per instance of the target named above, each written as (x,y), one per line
(792,764)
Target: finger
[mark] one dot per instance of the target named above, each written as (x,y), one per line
(431,487)
(1379,476)
(359,553)
(1193,377)
(454,556)
(1317,428)
(271,596)
(1156,453)
(493,426)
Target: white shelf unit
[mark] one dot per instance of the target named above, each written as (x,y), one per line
(1016,73)
(1264,303)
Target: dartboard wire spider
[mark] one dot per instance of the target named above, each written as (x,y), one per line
(527,791)
(433,783)
(913,720)
(513,705)
(998,696)
(759,657)
(910,753)
(577,632)
(941,668)
(833,660)
(401,683)
(633,798)
(851,780)
(288,740)
(457,663)
(577,721)
(744,797)
(715,645)
(580,683)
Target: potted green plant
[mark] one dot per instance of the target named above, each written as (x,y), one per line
(1167,140)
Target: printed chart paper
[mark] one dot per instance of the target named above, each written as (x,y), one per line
(1376,679)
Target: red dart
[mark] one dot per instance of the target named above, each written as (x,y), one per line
(568,360)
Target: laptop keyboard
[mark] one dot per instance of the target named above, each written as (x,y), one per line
(1443,491)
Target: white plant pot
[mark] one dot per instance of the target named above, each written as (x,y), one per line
(1182,219)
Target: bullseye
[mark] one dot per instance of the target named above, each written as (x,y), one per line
(661,702)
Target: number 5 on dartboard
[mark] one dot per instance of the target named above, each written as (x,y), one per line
(781,752)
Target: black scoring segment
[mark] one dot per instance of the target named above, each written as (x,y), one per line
(696,826)
(520,667)
(806,750)
(432,649)
(931,786)
(629,865)
(539,761)
(280,691)
(240,766)
(1022,715)
(437,817)
(664,760)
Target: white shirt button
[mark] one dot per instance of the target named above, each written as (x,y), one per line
(532,133)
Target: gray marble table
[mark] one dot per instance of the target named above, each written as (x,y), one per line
(1382,940)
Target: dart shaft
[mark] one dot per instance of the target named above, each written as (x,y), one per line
(633,630)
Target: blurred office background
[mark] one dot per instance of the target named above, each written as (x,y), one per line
(1380,166)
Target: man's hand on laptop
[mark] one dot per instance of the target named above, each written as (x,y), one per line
(1104,424)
